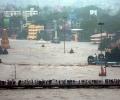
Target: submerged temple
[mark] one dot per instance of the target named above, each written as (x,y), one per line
(5,41)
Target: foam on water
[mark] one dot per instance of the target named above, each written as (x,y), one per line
(34,62)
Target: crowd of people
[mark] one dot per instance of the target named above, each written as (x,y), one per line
(58,83)
(3,51)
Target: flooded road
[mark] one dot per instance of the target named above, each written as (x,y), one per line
(50,62)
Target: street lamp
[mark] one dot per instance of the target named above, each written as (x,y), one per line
(101,26)
(64,41)
(103,72)
(55,29)
(14,71)
(64,35)
(64,30)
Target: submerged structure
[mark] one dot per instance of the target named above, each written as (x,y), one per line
(5,41)
(103,72)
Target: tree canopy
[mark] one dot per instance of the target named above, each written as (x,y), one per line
(71,18)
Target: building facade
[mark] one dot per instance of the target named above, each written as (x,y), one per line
(33,31)
(30,12)
(96,38)
(12,13)
(4,40)
(25,13)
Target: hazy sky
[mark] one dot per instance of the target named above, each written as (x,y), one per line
(78,3)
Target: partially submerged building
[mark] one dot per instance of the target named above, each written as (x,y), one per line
(4,40)
(33,31)
(96,38)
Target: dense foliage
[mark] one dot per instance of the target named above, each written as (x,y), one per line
(67,18)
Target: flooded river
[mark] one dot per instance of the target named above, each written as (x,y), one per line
(59,94)
(35,62)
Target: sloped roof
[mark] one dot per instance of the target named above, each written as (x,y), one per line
(98,35)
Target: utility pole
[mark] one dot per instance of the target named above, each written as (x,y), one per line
(55,28)
(64,43)
(101,26)
(64,36)
(102,71)
(14,71)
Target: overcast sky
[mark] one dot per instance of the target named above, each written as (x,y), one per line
(78,3)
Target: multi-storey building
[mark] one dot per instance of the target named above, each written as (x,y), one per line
(96,38)
(33,31)
(12,13)
(29,13)
(25,14)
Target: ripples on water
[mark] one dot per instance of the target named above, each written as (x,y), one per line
(56,72)
(32,53)
(61,94)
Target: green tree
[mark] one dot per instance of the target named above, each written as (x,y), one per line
(16,26)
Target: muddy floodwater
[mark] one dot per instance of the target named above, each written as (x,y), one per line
(59,94)
(32,61)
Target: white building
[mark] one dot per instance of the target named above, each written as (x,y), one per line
(12,13)
(96,38)
(93,12)
(29,13)
(25,14)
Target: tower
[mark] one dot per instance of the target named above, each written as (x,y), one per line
(5,41)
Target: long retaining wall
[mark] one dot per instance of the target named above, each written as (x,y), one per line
(57,84)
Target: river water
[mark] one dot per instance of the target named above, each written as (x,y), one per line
(50,62)
(61,94)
